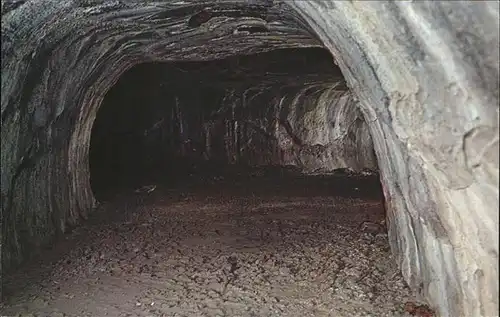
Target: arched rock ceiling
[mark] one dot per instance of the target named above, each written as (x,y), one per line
(153,30)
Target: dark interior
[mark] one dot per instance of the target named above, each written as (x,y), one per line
(150,127)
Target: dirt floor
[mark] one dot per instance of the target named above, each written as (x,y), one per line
(258,246)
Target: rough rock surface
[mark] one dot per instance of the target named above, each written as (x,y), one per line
(241,248)
(314,127)
(429,86)
(425,74)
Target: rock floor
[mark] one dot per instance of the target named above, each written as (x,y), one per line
(218,250)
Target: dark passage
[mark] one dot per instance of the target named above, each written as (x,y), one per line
(172,123)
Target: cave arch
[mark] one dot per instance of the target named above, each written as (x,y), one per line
(404,61)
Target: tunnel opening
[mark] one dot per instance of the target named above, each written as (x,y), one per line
(180,123)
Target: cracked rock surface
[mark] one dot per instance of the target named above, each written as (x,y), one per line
(249,248)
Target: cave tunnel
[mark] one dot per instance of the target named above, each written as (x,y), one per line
(249,158)
(169,123)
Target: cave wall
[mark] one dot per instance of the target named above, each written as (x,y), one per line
(425,74)
(317,128)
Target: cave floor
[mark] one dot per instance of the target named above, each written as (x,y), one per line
(254,248)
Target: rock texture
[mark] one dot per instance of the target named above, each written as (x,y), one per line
(425,74)
(317,128)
